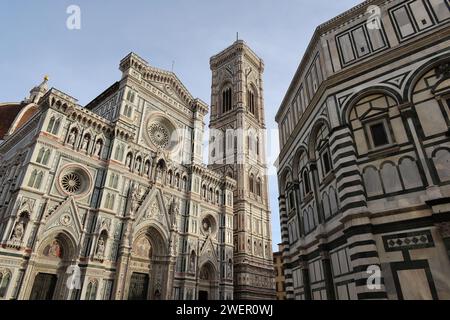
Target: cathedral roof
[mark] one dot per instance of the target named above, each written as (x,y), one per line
(8,113)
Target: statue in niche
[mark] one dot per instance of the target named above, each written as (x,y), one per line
(230,269)
(101,247)
(85,145)
(174,209)
(98,148)
(19,231)
(134,199)
(192,262)
(71,139)
(147,168)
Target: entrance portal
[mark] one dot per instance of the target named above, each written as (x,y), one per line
(138,286)
(43,287)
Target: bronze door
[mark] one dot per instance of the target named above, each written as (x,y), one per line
(43,287)
(138,286)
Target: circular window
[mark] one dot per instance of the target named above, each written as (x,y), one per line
(74,180)
(71,182)
(208,225)
(159,135)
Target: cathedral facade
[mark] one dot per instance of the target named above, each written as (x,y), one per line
(112,200)
(364,167)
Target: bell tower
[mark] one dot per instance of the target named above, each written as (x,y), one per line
(237,149)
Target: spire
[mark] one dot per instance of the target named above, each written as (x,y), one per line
(38,92)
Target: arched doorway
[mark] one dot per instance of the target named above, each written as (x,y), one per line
(148,266)
(55,255)
(207,284)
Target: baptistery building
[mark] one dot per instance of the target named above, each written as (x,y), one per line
(112,200)
(364,167)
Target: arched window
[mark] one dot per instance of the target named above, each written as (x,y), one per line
(257,146)
(251,180)
(210,194)
(370,122)
(56,127)
(5,278)
(322,150)
(204,191)
(226,99)
(251,101)
(39,177)
(177,180)
(170,177)
(91,292)
(46,157)
(184,185)
(306,184)
(36,179)
(302,172)
(51,124)
(258,186)
(119,152)
(217,197)
(40,155)
(32,178)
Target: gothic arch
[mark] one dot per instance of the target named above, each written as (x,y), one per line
(157,237)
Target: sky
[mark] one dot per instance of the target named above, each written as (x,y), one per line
(35,41)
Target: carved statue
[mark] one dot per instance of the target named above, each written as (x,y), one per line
(192,263)
(134,199)
(147,168)
(19,231)
(101,247)
(85,143)
(230,269)
(98,148)
(72,138)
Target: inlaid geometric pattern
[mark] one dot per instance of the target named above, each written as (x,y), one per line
(408,241)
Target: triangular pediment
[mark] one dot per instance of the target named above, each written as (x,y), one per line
(66,217)
(208,252)
(153,209)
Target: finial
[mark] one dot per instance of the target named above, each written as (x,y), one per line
(46,78)
(237,36)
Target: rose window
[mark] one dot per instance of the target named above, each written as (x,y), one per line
(74,180)
(159,135)
(71,182)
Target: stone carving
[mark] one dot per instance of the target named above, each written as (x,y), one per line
(192,262)
(230,269)
(19,231)
(66,220)
(101,247)
(72,137)
(98,148)
(85,145)
(134,198)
